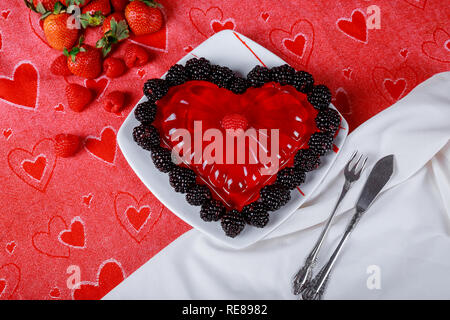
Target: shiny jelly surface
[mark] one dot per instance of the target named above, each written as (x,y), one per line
(235,143)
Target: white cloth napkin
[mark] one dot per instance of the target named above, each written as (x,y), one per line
(399,250)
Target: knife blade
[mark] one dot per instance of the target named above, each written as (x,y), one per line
(378,177)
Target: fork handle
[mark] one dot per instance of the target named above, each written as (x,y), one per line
(318,284)
(304,274)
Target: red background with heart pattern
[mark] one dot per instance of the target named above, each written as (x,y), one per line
(91,212)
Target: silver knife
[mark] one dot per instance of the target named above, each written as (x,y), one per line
(378,177)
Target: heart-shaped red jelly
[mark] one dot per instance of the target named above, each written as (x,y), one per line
(272,106)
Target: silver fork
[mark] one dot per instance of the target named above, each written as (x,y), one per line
(352,173)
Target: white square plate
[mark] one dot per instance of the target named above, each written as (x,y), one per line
(239,53)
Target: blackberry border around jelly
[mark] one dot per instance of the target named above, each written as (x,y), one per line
(273,196)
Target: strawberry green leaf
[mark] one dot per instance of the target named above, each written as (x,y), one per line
(80,41)
(75,50)
(88,20)
(40,8)
(58,8)
(118,32)
(121,30)
(30,5)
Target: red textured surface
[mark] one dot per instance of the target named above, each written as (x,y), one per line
(87,212)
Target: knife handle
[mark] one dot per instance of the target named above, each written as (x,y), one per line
(317,287)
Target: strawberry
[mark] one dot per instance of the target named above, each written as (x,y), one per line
(143,16)
(66,145)
(58,35)
(94,13)
(119,5)
(115,29)
(102,6)
(78,97)
(117,16)
(59,66)
(84,61)
(49,5)
(135,56)
(114,102)
(114,67)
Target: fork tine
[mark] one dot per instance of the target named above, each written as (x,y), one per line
(362,166)
(347,166)
(353,156)
(356,163)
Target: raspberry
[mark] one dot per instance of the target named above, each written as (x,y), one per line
(212,210)
(221,75)
(198,69)
(274,197)
(197,195)
(66,145)
(258,76)
(234,122)
(290,178)
(283,74)
(182,179)
(155,89)
(233,223)
(319,97)
(306,160)
(303,81)
(114,67)
(176,75)
(320,142)
(256,214)
(145,112)
(114,102)
(135,56)
(146,136)
(328,120)
(162,159)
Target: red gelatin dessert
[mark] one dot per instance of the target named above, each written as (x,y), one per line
(236,146)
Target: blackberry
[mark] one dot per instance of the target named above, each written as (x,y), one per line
(238,85)
(145,112)
(274,197)
(306,160)
(256,214)
(319,97)
(221,75)
(198,69)
(212,210)
(197,195)
(162,159)
(283,74)
(181,179)
(258,76)
(233,223)
(146,136)
(321,142)
(176,75)
(328,120)
(290,178)
(155,89)
(303,81)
